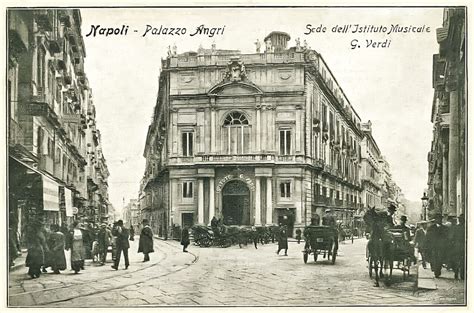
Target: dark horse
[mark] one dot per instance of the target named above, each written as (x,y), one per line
(379,247)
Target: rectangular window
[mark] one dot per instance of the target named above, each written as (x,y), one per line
(316,191)
(187,139)
(285,141)
(187,189)
(285,190)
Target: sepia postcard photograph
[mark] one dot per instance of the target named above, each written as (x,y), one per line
(235,156)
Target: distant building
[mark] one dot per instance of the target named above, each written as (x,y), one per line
(131,213)
(447,158)
(52,152)
(253,139)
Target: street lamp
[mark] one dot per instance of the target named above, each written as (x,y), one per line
(424,203)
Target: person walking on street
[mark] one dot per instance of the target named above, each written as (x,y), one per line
(122,245)
(132,233)
(104,238)
(56,249)
(283,240)
(435,242)
(37,248)
(185,238)
(458,246)
(145,244)
(76,244)
(420,242)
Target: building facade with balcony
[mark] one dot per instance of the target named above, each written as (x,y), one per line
(371,172)
(447,158)
(48,99)
(254,139)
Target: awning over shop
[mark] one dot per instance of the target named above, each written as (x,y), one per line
(68,202)
(50,194)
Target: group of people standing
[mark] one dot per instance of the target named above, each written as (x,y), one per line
(442,244)
(46,248)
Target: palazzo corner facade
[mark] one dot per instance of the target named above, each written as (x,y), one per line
(255,139)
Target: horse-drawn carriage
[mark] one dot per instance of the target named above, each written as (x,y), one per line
(320,240)
(224,236)
(386,246)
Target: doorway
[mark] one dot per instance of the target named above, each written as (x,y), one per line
(236,203)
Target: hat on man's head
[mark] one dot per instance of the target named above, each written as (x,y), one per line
(392,207)
(404,218)
(120,223)
(327,210)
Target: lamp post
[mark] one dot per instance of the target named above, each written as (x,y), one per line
(424,202)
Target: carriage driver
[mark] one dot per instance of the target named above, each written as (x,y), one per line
(391,212)
(328,218)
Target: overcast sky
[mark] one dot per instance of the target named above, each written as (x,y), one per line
(389,86)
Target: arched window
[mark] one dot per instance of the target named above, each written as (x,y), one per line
(236,134)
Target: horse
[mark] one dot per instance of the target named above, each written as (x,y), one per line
(379,246)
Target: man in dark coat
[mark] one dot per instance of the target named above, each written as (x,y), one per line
(104,238)
(436,244)
(420,242)
(185,238)
(391,212)
(458,248)
(283,240)
(145,245)
(122,245)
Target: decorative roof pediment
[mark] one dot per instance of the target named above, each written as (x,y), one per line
(234,88)
(235,81)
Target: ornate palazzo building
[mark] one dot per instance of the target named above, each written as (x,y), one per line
(447,158)
(254,139)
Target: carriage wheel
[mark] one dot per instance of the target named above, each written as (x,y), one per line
(369,259)
(334,254)
(305,257)
(315,256)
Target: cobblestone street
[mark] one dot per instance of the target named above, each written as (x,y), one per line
(232,276)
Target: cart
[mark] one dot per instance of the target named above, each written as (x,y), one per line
(402,252)
(320,240)
(203,235)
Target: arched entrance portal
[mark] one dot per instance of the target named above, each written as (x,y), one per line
(236,203)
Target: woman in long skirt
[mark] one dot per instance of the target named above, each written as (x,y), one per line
(56,250)
(37,248)
(77,248)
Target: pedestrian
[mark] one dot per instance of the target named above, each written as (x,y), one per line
(420,242)
(47,258)
(13,241)
(185,238)
(104,238)
(283,240)
(458,247)
(123,245)
(132,233)
(436,244)
(37,247)
(56,245)
(76,244)
(298,235)
(145,244)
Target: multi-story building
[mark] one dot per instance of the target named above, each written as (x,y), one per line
(447,158)
(261,138)
(131,214)
(48,101)
(370,169)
